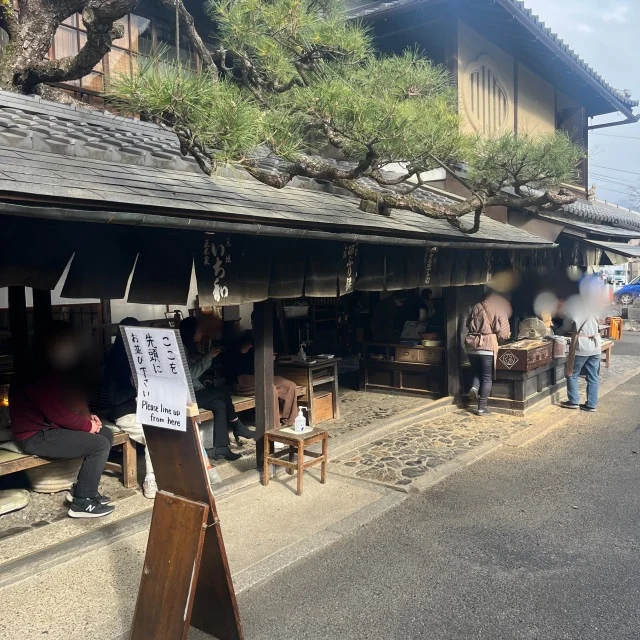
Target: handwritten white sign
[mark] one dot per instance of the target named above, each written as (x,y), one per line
(163,392)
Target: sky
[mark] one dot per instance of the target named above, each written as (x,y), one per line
(606,34)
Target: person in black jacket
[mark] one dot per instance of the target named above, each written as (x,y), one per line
(121,396)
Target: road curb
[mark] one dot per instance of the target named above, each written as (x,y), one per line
(446,470)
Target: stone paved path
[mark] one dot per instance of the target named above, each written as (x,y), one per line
(413,451)
(404,455)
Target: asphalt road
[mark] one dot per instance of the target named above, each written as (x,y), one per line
(536,543)
(628,346)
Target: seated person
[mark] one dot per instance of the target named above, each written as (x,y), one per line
(215,399)
(121,395)
(50,416)
(240,370)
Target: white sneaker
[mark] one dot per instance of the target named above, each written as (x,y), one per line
(214,476)
(150,487)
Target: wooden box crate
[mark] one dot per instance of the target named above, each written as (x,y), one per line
(323,406)
(422,355)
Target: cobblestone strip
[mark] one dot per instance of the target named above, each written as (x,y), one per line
(400,457)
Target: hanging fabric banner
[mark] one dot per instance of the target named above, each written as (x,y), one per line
(104,276)
(370,275)
(324,260)
(33,254)
(459,268)
(232,269)
(163,269)
(477,267)
(349,271)
(287,269)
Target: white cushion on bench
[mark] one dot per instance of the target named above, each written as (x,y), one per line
(11,446)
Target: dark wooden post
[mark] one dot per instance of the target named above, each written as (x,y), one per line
(105,321)
(263,348)
(42,313)
(452,352)
(18,326)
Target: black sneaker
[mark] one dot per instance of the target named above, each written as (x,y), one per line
(89,508)
(473,395)
(584,407)
(569,405)
(99,497)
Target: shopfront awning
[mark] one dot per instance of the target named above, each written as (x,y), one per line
(617,252)
(156,265)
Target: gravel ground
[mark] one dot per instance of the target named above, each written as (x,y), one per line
(358,411)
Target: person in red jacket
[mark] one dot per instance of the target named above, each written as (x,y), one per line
(50,417)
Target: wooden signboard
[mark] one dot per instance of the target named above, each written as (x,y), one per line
(186,579)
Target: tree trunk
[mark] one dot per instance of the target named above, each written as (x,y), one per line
(24,63)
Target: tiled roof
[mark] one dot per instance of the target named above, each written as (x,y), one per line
(589,227)
(603,212)
(151,164)
(97,184)
(373,8)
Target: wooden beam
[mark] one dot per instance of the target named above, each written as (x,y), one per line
(18,326)
(452,346)
(263,348)
(42,313)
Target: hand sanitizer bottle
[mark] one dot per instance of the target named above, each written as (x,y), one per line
(301,422)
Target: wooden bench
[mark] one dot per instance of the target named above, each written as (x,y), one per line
(11,462)
(244,403)
(607,345)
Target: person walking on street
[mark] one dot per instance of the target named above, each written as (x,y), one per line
(488,323)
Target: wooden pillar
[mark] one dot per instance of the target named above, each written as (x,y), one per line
(105,321)
(263,348)
(18,326)
(42,313)
(452,346)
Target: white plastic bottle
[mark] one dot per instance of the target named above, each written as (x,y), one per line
(302,355)
(300,423)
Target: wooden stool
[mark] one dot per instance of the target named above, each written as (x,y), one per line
(297,443)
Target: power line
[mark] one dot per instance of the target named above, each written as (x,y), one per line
(612,178)
(624,193)
(599,166)
(608,179)
(611,135)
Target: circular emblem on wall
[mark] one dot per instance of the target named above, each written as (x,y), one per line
(486,101)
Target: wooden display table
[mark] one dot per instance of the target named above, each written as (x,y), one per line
(401,367)
(312,374)
(297,443)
